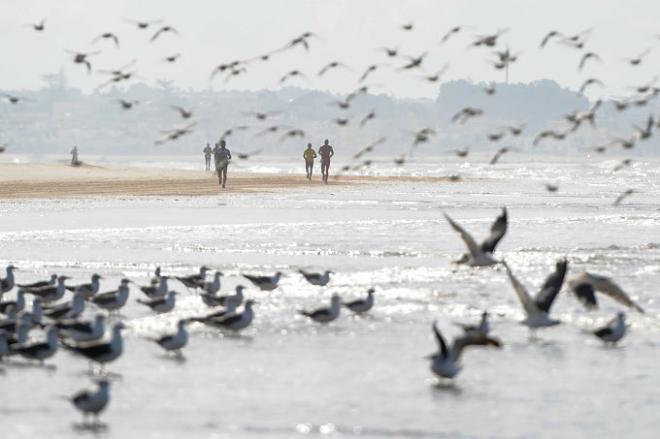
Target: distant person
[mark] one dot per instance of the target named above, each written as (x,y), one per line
(326,152)
(309,155)
(74,156)
(208,152)
(222,159)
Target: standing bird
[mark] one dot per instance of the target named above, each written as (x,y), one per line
(39,351)
(51,293)
(446,362)
(361,306)
(585,285)
(68,310)
(537,310)
(82,330)
(107,36)
(210,299)
(614,330)
(7,283)
(159,289)
(176,341)
(264,283)
(318,279)
(161,305)
(481,255)
(194,280)
(113,300)
(235,322)
(325,314)
(18,305)
(89,289)
(101,352)
(92,403)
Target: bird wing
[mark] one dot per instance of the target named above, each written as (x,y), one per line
(104,298)
(444,351)
(551,287)
(608,287)
(465,236)
(525,300)
(497,232)
(472,339)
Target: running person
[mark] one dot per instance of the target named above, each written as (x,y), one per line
(207,156)
(74,156)
(222,159)
(309,155)
(326,152)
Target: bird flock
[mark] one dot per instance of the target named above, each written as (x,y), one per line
(491,46)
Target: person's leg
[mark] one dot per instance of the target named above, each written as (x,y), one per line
(311,169)
(224,175)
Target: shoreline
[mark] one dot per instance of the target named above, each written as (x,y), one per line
(33,181)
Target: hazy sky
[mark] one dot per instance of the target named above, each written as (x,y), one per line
(217,31)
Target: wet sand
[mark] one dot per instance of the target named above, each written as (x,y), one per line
(58,181)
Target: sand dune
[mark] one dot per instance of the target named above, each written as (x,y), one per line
(56,180)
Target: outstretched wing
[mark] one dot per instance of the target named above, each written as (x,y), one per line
(586,294)
(606,286)
(497,232)
(441,341)
(551,286)
(525,300)
(465,236)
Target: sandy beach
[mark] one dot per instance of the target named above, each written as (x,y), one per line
(58,181)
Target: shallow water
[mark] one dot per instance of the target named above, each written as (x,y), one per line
(358,377)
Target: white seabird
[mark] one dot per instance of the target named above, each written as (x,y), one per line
(481,255)
(51,293)
(158,289)
(39,351)
(88,289)
(68,310)
(482,328)
(37,313)
(213,300)
(214,286)
(93,403)
(318,279)
(195,280)
(40,283)
(446,362)
(231,304)
(176,341)
(537,310)
(18,304)
(585,285)
(113,300)
(235,322)
(101,352)
(264,283)
(7,283)
(614,330)
(83,330)
(325,314)
(161,304)
(360,306)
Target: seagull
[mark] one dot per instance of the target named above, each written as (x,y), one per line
(454,30)
(638,59)
(551,187)
(36,315)
(161,304)
(142,24)
(159,289)
(89,289)
(7,283)
(483,328)
(81,58)
(325,314)
(211,299)
(332,65)
(101,352)
(624,163)
(213,287)
(186,114)
(499,153)
(235,322)
(52,293)
(466,113)
(550,35)
(39,27)
(614,330)
(361,306)
(163,30)
(113,300)
(446,362)
(40,350)
(481,255)
(39,284)
(586,57)
(537,310)
(585,285)
(107,36)
(83,330)
(172,58)
(264,283)
(318,279)
(92,402)
(262,115)
(230,306)
(194,280)
(590,81)
(68,310)
(176,341)
(18,304)
(625,194)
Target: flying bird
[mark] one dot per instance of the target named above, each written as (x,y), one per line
(81,58)
(585,285)
(143,24)
(481,255)
(185,114)
(466,114)
(39,27)
(247,155)
(332,65)
(453,31)
(291,74)
(163,30)
(172,58)
(500,152)
(437,75)
(390,52)
(590,82)
(586,57)
(488,40)
(107,36)
(550,35)
(262,115)
(638,59)
(413,62)
(369,116)
(623,196)
(127,105)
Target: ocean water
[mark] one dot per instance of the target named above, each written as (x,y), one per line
(358,377)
